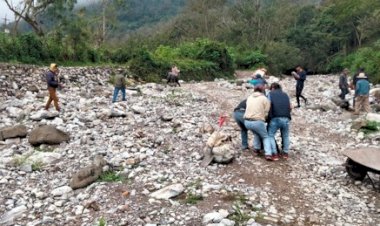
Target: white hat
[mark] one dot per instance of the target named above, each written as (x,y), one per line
(362,75)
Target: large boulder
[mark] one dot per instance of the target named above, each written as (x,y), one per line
(89,174)
(47,135)
(218,149)
(373,117)
(375,93)
(13,132)
(223,153)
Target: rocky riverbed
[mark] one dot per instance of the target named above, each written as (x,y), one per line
(153,145)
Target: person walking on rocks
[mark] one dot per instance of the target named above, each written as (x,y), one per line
(254,119)
(343,84)
(300,76)
(52,85)
(362,88)
(279,119)
(239,118)
(119,85)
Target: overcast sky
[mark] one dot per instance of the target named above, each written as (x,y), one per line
(5,12)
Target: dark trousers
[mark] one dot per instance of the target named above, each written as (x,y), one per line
(173,79)
(343,93)
(299,88)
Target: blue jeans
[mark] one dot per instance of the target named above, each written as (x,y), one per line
(281,123)
(239,118)
(260,131)
(116,92)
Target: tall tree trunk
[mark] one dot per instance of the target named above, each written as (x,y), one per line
(104,22)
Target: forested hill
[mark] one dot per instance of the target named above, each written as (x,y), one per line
(134,14)
(205,38)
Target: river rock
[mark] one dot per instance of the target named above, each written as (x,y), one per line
(13,132)
(47,135)
(11,215)
(88,174)
(168,192)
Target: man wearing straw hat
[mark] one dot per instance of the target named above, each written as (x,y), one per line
(53,84)
(362,94)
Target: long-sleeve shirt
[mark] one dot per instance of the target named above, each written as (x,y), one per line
(120,81)
(242,106)
(51,79)
(257,107)
(343,84)
(302,77)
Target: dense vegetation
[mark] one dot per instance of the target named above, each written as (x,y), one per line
(209,38)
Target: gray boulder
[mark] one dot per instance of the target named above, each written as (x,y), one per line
(47,135)
(13,132)
(89,174)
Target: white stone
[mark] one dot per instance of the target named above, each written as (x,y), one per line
(11,215)
(168,192)
(61,191)
(214,217)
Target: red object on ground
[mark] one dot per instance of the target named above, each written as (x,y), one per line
(221,120)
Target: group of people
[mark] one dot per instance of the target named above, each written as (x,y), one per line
(53,83)
(52,79)
(264,113)
(268,109)
(361,87)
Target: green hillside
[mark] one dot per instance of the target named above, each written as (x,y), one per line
(210,38)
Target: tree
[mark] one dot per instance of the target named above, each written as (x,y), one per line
(31,10)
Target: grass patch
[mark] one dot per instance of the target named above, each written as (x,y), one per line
(193,198)
(239,216)
(37,166)
(371,127)
(110,176)
(44,149)
(19,160)
(235,197)
(102,222)
(197,184)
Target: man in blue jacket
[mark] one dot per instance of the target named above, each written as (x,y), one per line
(52,85)
(279,119)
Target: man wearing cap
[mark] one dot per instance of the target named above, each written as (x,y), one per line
(343,84)
(362,94)
(254,119)
(52,85)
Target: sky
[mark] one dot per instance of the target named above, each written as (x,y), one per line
(5,12)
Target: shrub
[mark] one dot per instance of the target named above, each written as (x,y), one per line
(250,59)
(368,58)
(282,56)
